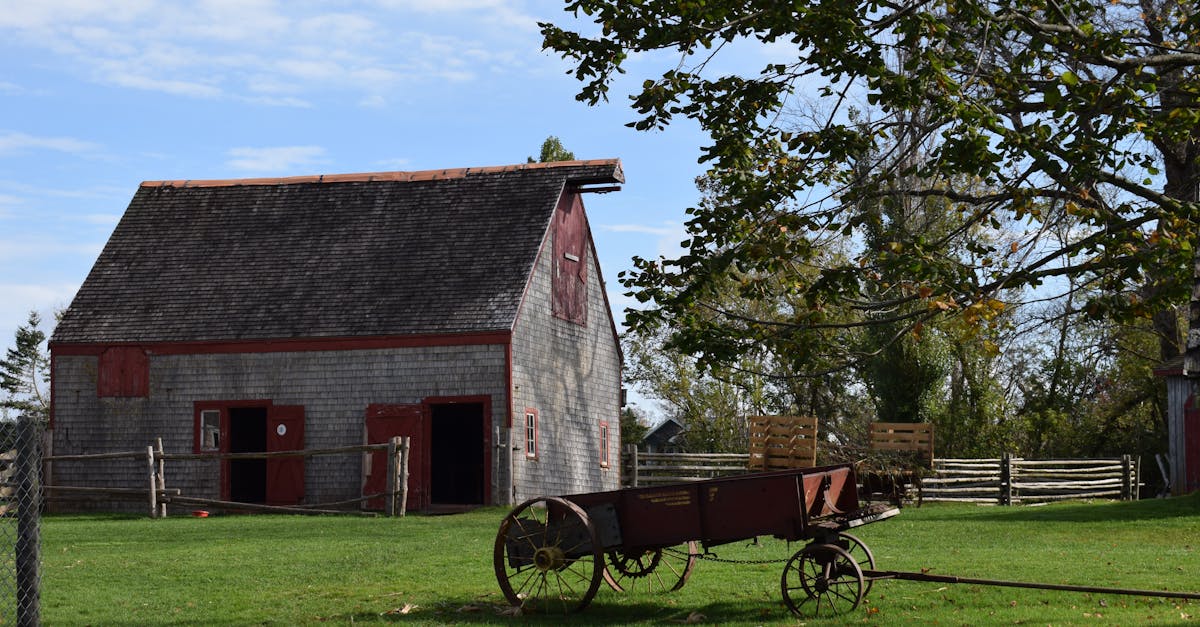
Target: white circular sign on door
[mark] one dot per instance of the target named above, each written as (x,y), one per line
(281,429)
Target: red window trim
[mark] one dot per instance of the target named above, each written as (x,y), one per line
(531,420)
(605,448)
(223,407)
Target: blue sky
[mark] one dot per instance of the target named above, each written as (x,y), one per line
(99,95)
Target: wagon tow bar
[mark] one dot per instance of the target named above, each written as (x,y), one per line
(876,575)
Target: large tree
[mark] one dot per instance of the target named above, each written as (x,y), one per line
(1037,118)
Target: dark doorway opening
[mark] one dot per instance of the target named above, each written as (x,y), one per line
(456,451)
(248,434)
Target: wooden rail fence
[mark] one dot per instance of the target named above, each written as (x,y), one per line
(1011,480)
(1003,480)
(158,495)
(644,469)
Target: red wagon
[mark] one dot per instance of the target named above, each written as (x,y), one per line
(552,553)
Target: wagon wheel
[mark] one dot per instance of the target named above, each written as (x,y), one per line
(654,570)
(822,577)
(860,552)
(548,556)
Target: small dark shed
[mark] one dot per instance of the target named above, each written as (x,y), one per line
(661,438)
(464,308)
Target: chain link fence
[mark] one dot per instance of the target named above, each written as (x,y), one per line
(20,512)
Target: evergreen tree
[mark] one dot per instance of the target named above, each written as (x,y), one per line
(25,372)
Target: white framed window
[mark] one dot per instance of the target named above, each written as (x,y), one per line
(210,430)
(531,433)
(603,444)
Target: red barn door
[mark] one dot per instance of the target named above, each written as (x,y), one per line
(285,475)
(382,424)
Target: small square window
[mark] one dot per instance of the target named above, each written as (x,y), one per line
(210,430)
(531,419)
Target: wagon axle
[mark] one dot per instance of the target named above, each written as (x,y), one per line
(549,558)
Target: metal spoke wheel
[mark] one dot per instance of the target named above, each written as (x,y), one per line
(821,579)
(861,554)
(653,570)
(548,556)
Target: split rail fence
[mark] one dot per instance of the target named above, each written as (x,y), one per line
(1003,480)
(158,495)
(1012,480)
(645,469)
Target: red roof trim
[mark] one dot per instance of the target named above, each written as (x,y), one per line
(289,345)
(421,175)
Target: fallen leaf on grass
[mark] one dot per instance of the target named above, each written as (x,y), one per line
(511,610)
(692,619)
(470,607)
(407,609)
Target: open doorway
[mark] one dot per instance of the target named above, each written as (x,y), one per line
(248,434)
(458,442)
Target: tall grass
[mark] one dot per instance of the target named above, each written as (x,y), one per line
(437,570)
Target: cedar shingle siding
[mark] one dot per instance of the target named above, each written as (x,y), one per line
(335,294)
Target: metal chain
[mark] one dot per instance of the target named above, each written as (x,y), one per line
(712,557)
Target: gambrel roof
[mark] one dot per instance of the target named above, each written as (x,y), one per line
(382,254)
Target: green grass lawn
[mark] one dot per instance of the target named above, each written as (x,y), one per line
(436,570)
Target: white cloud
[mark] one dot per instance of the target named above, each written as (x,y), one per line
(373,101)
(669,235)
(642,228)
(284,101)
(503,12)
(248,49)
(175,87)
(103,219)
(100,191)
(394,164)
(234,20)
(15,142)
(275,159)
(48,13)
(342,28)
(20,298)
(31,249)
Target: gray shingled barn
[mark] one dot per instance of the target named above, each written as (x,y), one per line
(464,308)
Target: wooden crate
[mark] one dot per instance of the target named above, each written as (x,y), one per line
(782,442)
(913,437)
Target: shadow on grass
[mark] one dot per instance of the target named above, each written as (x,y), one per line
(1076,511)
(600,612)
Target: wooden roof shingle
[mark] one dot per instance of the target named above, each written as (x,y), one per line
(361,255)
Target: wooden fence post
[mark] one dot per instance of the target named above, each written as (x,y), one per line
(403,479)
(162,478)
(633,465)
(389,506)
(1006,479)
(1126,471)
(153,481)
